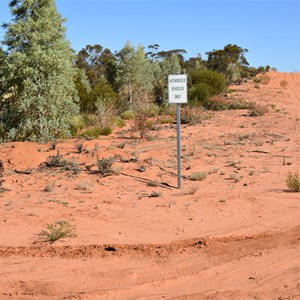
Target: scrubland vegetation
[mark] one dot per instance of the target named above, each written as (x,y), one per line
(48,91)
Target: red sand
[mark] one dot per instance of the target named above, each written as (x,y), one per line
(236,237)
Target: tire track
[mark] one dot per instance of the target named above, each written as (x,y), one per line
(233,245)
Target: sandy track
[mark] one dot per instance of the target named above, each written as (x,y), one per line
(236,237)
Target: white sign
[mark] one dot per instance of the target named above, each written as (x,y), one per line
(177,88)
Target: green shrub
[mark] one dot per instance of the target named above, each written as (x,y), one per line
(205,84)
(168,110)
(76,124)
(105,131)
(293,182)
(151,111)
(90,119)
(128,115)
(57,230)
(119,122)
(92,132)
(219,103)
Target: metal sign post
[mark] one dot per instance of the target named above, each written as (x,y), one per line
(178,146)
(177,95)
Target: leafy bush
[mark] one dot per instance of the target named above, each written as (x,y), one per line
(92,132)
(128,115)
(105,131)
(293,182)
(151,111)
(119,122)
(76,124)
(205,84)
(219,103)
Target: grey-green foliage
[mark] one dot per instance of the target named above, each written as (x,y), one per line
(161,70)
(135,76)
(40,95)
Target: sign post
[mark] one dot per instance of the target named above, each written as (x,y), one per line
(177,95)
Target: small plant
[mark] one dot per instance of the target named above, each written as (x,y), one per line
(57,230)
(105,166)
(155,194)
(84,186)
(119,122)
(198,176)
(293,182)
(92,133)
(79,147)
(106,130)
(258,110)
(141,124)
(128,115)
(191,190)
(153,183)
(49,187)
(55,161)
(72,166)
(52,145)
(234,177)
(190,116)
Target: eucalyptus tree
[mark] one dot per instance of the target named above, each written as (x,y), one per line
(161,70)
(228,61)
(40,94)
(98,63)
(135,77)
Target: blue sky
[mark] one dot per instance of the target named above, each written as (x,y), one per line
(268,28)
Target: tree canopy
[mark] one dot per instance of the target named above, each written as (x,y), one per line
(40,94)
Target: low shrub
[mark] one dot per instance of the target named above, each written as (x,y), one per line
(293,182)
(77,123)
(55,161)
(190,116)
(218,103)
(105,166)
(258,110)
(198,176)
(151,111)
(57,230)
(141,124)
(92,132)
(105,131)
(128,115)
(119,122)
